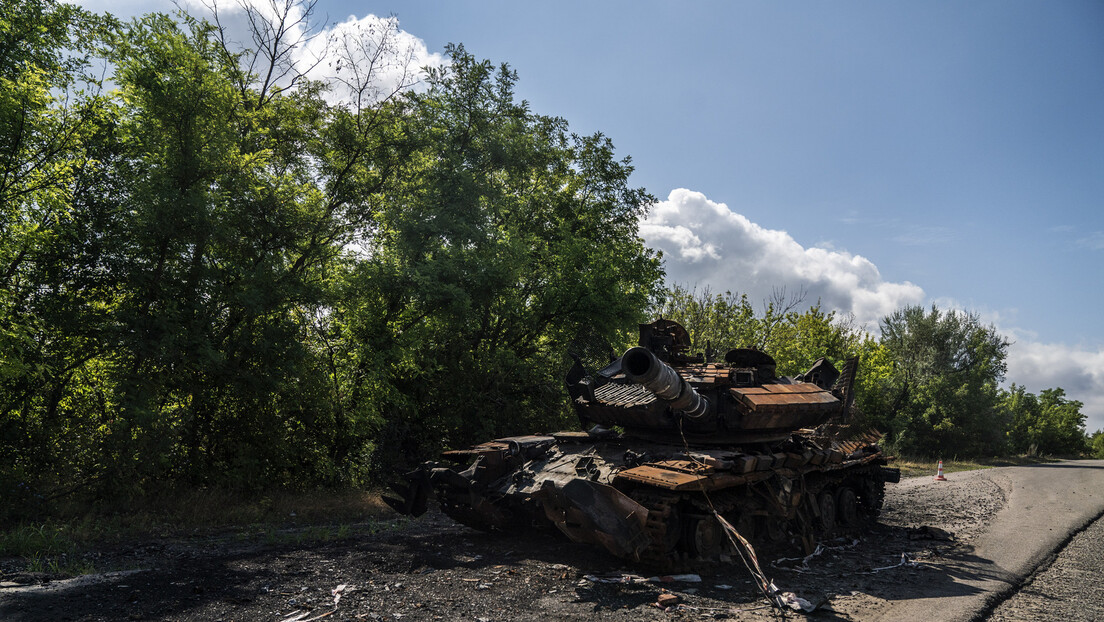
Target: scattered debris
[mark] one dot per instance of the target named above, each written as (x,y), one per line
(905,561)
(667,599)
(336,592)
(300,615)
(820,548)
(632,578)
(795,602)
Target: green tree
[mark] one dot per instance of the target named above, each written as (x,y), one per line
(244,196)
(51,306)
(795,339)
(165,251)
(1044,424)
(1096,444)
(508,237)
(1023,412)
(223,274)
(947,366)
(713,320)
(873,387)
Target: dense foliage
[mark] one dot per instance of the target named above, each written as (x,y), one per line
(794,339)
(214,277)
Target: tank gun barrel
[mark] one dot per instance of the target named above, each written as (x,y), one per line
(642,367)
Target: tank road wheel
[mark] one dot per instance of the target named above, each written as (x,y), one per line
(772,528)
(847,507)
(704,538)
(826,502)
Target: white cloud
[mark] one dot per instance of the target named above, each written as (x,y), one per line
(361,58)
(707,243)
(371,51)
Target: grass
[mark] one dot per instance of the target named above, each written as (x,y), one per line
(56,543)
(916,467)
(59,565)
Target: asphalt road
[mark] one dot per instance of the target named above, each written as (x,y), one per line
(1047,506)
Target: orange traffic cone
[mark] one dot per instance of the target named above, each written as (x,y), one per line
(939,473)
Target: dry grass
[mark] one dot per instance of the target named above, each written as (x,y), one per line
(313,515)
(915,467)
(206,509)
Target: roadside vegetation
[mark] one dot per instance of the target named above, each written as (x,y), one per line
(224,285)
(925,467)
(66,542)
(929,378)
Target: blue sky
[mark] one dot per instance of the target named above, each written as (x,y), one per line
(872,154)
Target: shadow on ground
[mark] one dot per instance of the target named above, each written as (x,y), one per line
(437,570)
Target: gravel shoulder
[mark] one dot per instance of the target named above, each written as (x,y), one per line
(1069,589)
(434,569)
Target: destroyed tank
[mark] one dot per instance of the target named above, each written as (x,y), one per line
(681,451)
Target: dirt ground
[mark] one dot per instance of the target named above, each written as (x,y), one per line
(434,569)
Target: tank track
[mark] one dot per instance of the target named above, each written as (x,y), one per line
(666,525)
(662,508)
(669,517)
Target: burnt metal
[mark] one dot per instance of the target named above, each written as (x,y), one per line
(674,442)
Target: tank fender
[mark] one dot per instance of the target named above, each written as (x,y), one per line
(413,495)
(594,513)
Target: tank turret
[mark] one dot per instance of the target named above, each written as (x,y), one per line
(659,389)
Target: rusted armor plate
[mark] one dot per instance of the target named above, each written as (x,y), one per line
(784,396)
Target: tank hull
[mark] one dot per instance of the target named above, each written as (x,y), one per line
(657,503)
(708,456)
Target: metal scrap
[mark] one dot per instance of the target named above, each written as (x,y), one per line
(632,578)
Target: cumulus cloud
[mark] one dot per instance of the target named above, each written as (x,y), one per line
(362,59)
(707,243)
